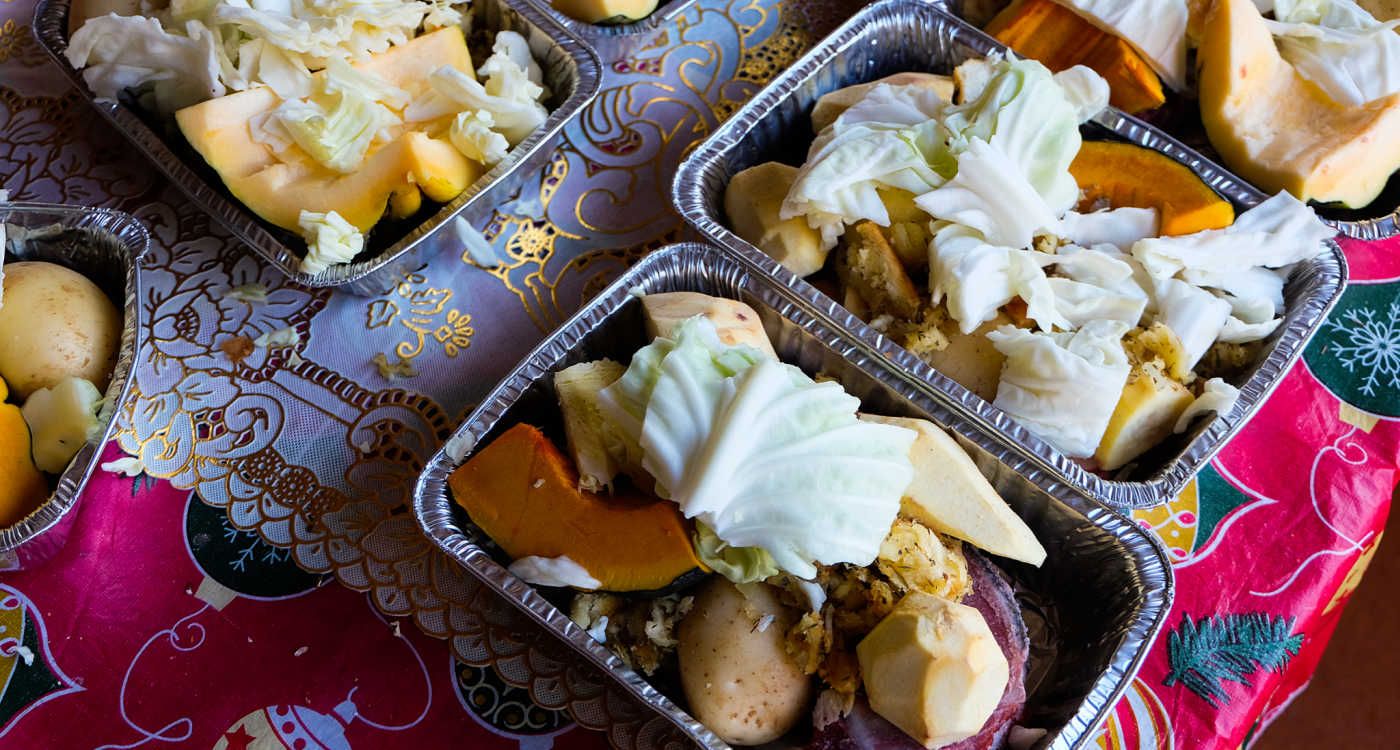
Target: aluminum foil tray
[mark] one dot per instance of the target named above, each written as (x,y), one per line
(898,35)
(615,41)
(1377,221)
(106,246)
(1092,609)
(571,71)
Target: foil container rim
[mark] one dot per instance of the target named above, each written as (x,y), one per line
(50,29)
(432,508)
(1301,321)
(127,232)
(598,34)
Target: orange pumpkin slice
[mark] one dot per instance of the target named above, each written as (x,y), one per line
(522,491)
(1126,175)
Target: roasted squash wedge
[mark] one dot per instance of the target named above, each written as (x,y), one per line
(1279,130)
(1126,175)
(1059,38)
(22,487)
(279,188)
(522,492)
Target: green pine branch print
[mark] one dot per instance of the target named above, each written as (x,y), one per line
(1202,654)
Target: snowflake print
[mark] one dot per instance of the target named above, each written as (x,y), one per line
(1369,343)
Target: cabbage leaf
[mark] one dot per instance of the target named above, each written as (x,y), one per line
(1063,386)
(760,453)
(330,240)
(1339,46)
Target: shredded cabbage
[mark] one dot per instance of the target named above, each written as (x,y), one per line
(337,126)
(759,452)
(117,53)
(197,49)
(471,133)
(330,240)
(1063,386)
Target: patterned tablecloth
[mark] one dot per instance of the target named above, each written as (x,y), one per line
(196,606)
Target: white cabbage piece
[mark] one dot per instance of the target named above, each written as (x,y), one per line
(1080,302)
(1063,386)
(1155,28)
(117,53)
(1024,114)
(1236,331)
(197,49)
(1339,46)
(904,105)
(838,183)
(515,112)
(330,240)
(337,126)
(1120,227)
(992,196)
(1276,233)
(510,56)
(976,278)
(559,572)
(1085,89)
(471,133)
(1195,315)
(1217,396)
(762,454)
(61,419)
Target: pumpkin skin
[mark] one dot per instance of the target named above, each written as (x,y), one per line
(522,491)
(1126,175)
(23,488)
(1060,39)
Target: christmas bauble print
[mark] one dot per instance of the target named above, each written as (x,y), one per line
(29,675)
(506,710)
(240,560)
(284,728)
(1356,352)
(1175,523)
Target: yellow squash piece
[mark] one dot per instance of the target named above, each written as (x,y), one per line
(1060,39)
(22,487)
(1279,130)
(606,11)
(279,188)
(1126,175)
(1145,414)
(753,200)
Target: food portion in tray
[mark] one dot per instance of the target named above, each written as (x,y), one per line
(59,339)
(1098,292)
(606,12)
(1296,96)
(782,564)
(326,118)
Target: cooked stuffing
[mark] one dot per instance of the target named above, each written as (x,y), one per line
(927,334)
(641,632)
(1158,344)
(823,642)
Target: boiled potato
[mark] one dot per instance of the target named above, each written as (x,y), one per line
(55,324)
(736,675)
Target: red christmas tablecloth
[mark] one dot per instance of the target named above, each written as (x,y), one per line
(198,610)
